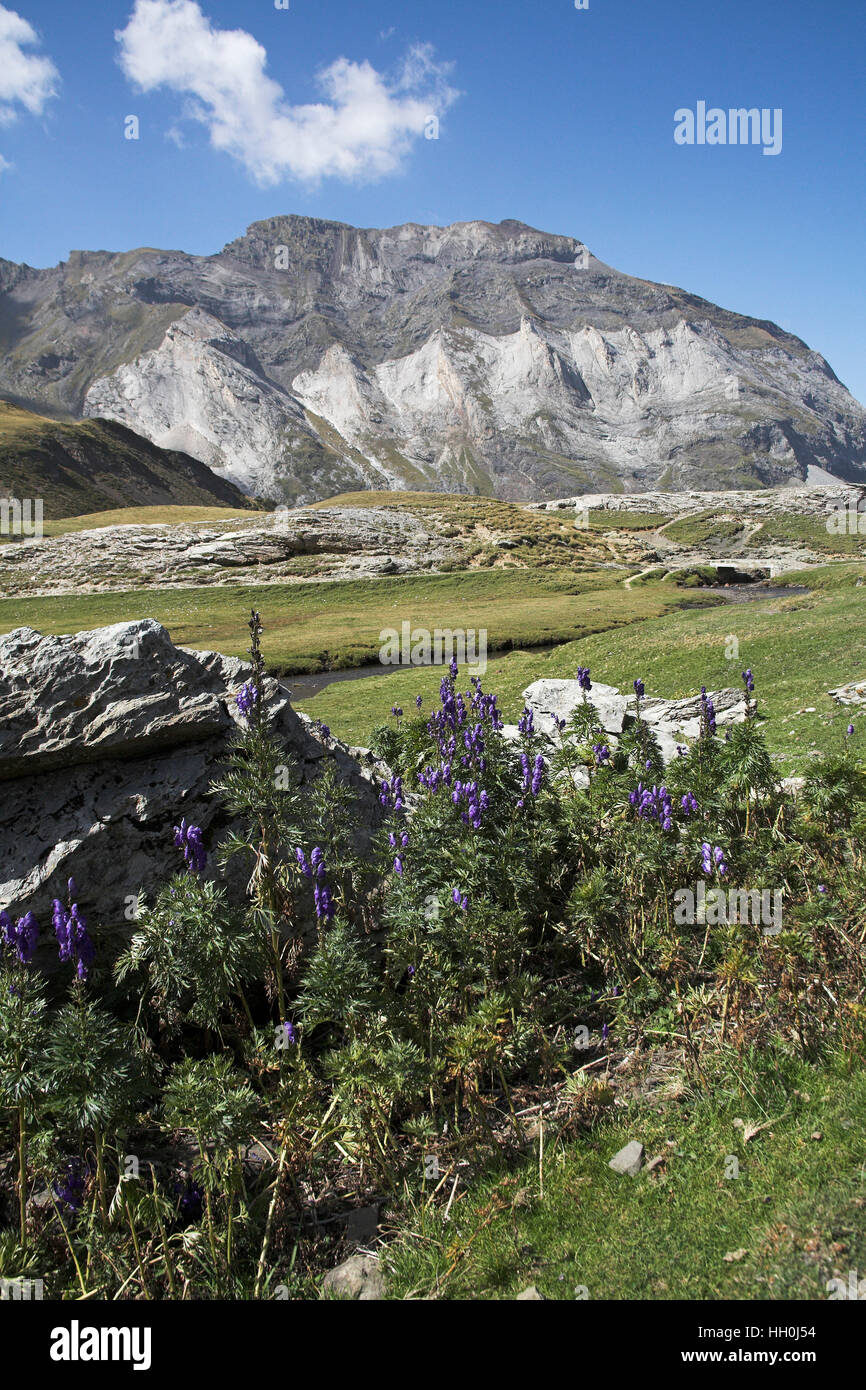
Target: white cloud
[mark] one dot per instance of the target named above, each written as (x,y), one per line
(362,129)
(26,79)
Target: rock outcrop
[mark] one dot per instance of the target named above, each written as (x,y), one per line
(107,739)
(852,694)
(274,547)
(309,357)
(674,723)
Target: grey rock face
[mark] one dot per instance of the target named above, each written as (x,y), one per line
(629,1160)
(108,739)
(358,1278)
(852,694)
(346,543)
(476,357)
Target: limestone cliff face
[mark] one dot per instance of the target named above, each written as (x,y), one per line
(310,357)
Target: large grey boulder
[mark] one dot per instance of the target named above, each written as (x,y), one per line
(107,739)
(558,699)
(673,722)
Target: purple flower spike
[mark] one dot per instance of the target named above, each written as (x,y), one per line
(188,838)
(75,946)
(21,936)
(247,698)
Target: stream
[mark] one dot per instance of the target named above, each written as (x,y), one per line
(311,683)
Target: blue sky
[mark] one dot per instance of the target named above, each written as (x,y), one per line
(559,117)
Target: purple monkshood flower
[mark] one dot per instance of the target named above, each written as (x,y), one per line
(71,889)
(822,888)
(398,866)
(605,1032)
(453,669)
(410,970)
(190,1199)
(849,731)
(708,712)
(396,711)
(689,804)
(70,928)
(652,804)
(188,838)
(322,730)
(537,775)
(314,869)
(246,698)
(602,754)
(462,902)
(583,678)
(419,700)
(526,723)
(713,857)
(639,689)
(748,680)
(391,794)
(69,1187)
(324,903)
(290,1032)
(20,936)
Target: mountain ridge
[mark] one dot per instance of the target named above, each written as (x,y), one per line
(309,357)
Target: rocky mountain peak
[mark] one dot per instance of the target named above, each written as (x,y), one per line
(309,357)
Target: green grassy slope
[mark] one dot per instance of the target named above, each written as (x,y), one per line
(89,465)
(799,647)
(792,1219)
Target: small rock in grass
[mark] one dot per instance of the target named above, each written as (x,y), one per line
(530,1295)
(629,1160)
(359,1278)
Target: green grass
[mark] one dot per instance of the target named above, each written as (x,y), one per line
(337,624)
(795,1216)
(807,531)
(799,646)
(626,521)
(702,530)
